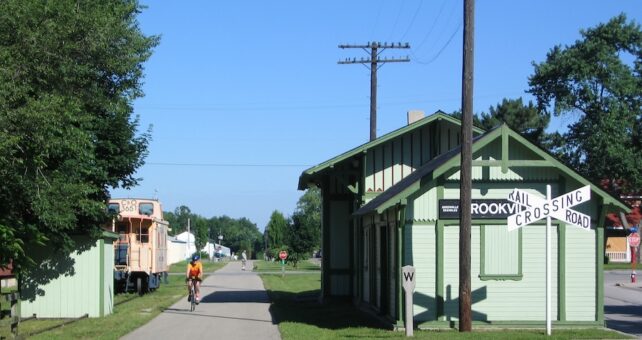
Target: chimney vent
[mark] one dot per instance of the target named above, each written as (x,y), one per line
(414,115)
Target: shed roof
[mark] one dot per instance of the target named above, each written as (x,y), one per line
(402,189)
(439,115)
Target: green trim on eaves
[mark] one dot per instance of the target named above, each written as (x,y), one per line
(435,117)
(109,234)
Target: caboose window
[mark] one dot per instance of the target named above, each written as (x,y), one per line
(113,208)
(146,209)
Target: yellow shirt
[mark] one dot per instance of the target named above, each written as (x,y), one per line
(195,269)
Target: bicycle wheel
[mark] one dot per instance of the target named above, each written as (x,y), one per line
(193,299)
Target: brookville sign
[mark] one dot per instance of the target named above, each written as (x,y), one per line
(480,208)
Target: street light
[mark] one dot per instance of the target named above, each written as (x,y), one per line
(220,245)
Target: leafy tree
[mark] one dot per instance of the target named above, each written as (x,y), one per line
(178,221)
(524,119)
(275,233)
(598,80)
(69,72)
(305,230)
(239,234)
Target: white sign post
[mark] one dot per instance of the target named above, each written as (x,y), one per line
(408,273)
(558,207)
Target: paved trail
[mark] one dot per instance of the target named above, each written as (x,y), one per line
(623,302)
(234,306)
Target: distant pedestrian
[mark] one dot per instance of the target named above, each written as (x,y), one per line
(243,259)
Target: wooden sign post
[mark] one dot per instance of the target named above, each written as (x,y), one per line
(408,273)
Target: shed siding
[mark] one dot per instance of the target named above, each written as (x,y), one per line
(580,274)
(108,269)
(73,295)
(498,300)
(424,249)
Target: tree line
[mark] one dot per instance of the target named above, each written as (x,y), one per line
(299,234)
(237,234)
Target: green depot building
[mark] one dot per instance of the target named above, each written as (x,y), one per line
(393,202)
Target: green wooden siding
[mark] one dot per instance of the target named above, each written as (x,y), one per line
(501,300)
(424,250)
(501,251)
(339,255)
(424,208)
(580,274)
(389,162)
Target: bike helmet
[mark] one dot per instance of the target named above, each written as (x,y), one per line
(195,257)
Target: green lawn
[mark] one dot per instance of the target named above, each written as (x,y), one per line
(130,312)
(208,266)
(612,266)
(300,316)
(269,266)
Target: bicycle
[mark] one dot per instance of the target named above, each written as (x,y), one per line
(192,296)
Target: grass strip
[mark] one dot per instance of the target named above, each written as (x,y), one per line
(299,315)
(130,312)
(269,266)
(626,266)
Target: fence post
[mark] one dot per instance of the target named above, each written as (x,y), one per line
(13,298)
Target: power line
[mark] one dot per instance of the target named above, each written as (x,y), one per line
(393,101)
(440,50)
(231,165)
(441,9)
(412,21)
(394,26)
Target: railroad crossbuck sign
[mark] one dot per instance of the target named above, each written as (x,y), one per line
(537,208)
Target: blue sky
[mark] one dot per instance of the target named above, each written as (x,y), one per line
(242,96)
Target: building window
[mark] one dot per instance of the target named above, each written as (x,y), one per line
(500,253)
(113,208)
(146,209)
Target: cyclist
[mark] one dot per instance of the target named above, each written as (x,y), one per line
(194,272)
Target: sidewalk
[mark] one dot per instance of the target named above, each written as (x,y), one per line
(234,305)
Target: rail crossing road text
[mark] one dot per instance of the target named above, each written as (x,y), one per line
(538,208)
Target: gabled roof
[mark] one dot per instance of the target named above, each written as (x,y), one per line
(439,115)
(438,166)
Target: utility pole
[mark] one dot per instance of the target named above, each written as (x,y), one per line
(465,314)
(376,48)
